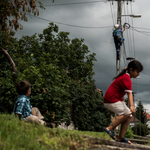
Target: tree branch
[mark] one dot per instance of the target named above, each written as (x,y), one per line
(9,59)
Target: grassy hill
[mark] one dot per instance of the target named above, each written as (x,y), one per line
(18,135)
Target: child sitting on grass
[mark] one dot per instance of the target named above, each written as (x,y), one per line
(23,108)
(113,100)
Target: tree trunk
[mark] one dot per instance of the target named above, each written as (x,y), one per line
(10,60)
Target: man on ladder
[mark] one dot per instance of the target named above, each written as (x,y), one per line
(117,34)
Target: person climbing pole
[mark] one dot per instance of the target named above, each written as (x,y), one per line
(118,40)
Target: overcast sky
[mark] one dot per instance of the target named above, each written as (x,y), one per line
(93,21)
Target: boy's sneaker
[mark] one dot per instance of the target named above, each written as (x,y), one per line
(50,125)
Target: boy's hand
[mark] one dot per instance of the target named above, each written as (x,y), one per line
(132,109)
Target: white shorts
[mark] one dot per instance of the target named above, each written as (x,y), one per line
(119,108)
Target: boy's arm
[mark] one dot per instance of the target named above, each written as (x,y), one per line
(130,99)
(123,29)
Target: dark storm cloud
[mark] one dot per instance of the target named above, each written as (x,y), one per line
(99,40)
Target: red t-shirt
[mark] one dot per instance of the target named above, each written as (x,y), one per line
(118,89)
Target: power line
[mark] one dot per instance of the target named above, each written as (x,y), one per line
(142,28)
(133,31)
(128,40)
(130,43)
(140,31)
(112,14)
(69,24)
(145,73)
(74,3)
(142,84)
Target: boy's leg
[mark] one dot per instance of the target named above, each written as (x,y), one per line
(37,113)
(34,119)
(116,45)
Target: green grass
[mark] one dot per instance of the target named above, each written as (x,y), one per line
(18,135)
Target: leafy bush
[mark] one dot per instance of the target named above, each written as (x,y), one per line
(129,133)
(7,83)
(140,129)
(89,113)
(58,69)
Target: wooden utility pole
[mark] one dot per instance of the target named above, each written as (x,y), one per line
(119,11)
(118,64)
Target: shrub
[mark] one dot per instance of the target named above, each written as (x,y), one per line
(129,133)
(140,129)
(89,113)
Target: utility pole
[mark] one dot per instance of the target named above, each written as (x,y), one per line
(118,64)
(119,11)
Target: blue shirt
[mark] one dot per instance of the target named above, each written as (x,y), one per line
(117,32)
(23,106)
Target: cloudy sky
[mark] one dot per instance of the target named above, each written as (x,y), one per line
(93,21)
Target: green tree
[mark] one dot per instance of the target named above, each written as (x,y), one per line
(140,113)
(89,113)
(10,13)
(60,71)
(7,72)
(140,129)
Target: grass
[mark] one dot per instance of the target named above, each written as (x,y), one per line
(18,135)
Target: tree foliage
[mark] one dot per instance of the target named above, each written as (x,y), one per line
(140,113)
(60,71)
(89,113)
(140,129)
(7,85)
(13,10)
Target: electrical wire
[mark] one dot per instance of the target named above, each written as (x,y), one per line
(69,24)
(132,28)
(142,28)
(127,26)
(114,10)
(73,3)
(145,73)
(131,54)
(124,50)
(127,33)
(134,55)
(133,32)
(142,84)
(112,14)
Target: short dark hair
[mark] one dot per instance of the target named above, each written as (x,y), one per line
(22,87)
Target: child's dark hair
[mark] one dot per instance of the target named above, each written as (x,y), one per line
(22,87)
(134,64)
